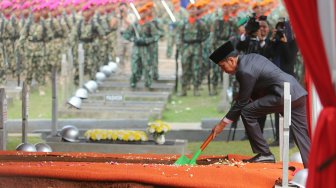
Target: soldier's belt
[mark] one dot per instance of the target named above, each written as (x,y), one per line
(35,41)
(142,44)
(192,41)
(86,40)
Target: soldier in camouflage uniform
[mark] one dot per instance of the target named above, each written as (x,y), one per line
(58,29)
(180,14)
(192,33)
(207,17)
(112,36)
(142,34)
(70,19)
(48,61)
(85,32)
(100,18)
(125,19)
(223,28)
(6,8)
(155,45)
(32,45)
(13,34)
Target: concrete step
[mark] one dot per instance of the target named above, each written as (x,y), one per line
(144,104)
(107,113)
(162,79)
(117,96)
(140,87)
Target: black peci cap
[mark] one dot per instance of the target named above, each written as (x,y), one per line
(222,52)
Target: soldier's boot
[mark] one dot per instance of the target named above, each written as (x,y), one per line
(214,91)
(196,91)
(156,76)
(148,85)
(183,92)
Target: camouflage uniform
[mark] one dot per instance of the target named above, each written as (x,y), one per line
(85,32)
(141,61)
(58,34)
(191,37)
(70,22)
(99,43)
(13,34)
(32,44)
(172,30)
(206,67)
(124,45)
(155,49)
(112,38)
(3,53)
(222,31)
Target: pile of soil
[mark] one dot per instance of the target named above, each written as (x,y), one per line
(56,169)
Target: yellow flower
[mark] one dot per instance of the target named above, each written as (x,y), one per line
(103,135)
(137,136)
(125,137)
(114,136)
(158,129)
(93,136)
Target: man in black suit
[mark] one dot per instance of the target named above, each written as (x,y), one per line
(261,90)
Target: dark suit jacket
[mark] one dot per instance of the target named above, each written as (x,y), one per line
(257,77)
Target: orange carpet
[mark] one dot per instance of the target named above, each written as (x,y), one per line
(21,164)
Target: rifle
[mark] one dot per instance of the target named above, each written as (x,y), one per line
(209,79)
(176,69)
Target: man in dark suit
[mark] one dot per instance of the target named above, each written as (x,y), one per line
(261,90)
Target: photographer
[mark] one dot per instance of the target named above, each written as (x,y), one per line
(249,41)
(284,55)
(284,47)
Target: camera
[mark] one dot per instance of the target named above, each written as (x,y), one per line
(280,30)
(279,34)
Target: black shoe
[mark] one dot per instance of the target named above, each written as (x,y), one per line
(274,143)
(261,158)
(182,94)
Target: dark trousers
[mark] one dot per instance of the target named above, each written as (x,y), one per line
(272,104)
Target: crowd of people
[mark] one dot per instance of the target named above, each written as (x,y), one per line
(34,34)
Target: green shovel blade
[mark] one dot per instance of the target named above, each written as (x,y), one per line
(183,160)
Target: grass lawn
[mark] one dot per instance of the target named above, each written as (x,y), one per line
(39,106)
(191,108)
(214,148)
(235,147)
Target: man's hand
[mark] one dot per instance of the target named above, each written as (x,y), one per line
(218,128)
